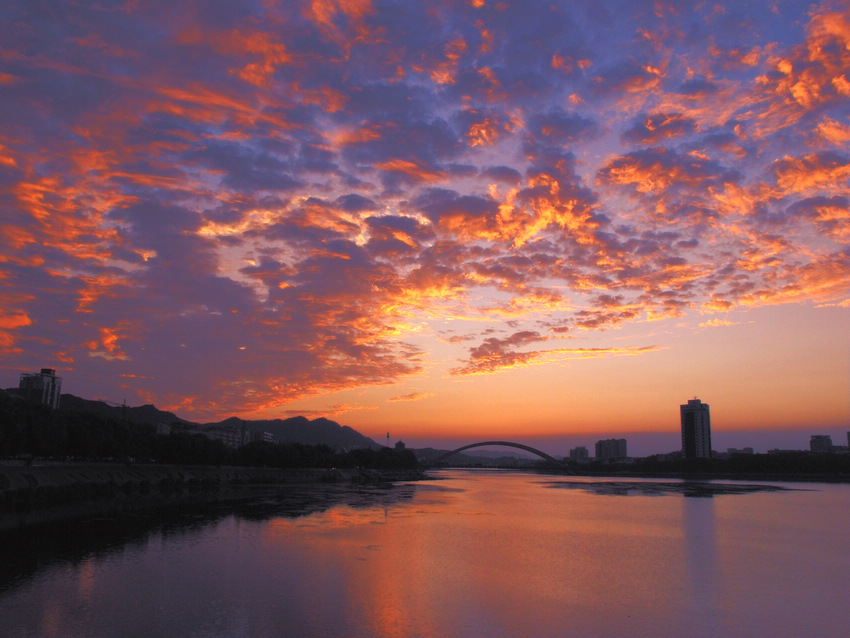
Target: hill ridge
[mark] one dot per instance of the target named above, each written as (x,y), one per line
(297,429)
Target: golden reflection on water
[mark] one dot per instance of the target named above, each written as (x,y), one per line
(500,558)
(86,574)
(52,621)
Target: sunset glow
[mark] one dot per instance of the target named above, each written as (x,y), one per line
(450,220)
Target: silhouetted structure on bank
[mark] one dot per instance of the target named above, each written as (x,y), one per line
(611,450)
(42,387)
(696,430)
(732,450)
(579,454)
(820,443)
(551,459)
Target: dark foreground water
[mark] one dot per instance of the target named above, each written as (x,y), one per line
(475,553)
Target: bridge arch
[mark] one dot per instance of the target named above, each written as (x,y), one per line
(519,446)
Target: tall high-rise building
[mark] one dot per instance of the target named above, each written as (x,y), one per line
(42,387)
(696,430)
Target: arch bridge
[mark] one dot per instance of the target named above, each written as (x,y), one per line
(551,459)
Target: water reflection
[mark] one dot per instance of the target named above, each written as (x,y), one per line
(27,551)
(475,554)
(686,488)
(699,527)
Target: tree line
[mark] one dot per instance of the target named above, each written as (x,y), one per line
(29,430)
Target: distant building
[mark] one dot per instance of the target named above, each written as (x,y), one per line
(180,427)
(611,449)
(696,430)
(235,435)
(579,454)
(821,443)
(42,387)
(733,450)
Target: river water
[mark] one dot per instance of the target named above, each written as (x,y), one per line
(469,553)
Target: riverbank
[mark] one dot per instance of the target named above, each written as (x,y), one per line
(34,494)
(772,477)
(623,472)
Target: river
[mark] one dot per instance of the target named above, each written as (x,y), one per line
(466,553)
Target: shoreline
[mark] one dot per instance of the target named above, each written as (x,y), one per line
(50,492)
(775,477)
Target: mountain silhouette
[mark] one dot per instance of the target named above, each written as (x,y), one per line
(297,429)
(300,429)
(145,414)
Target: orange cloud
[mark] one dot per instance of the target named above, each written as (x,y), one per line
(811,172)
(345,136)
(94,289)
(718,304)
(444,72)
(825,278)
(414,396)
(239,43)
(328,99)
(717,323)
(6,158)
(509,360)
(411,169)
(10,321)
(483,133)
(324,14)
(69,217)
(108,347)
(834,132)
(324,10)
(201,103)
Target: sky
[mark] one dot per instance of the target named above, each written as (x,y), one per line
(446,220)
